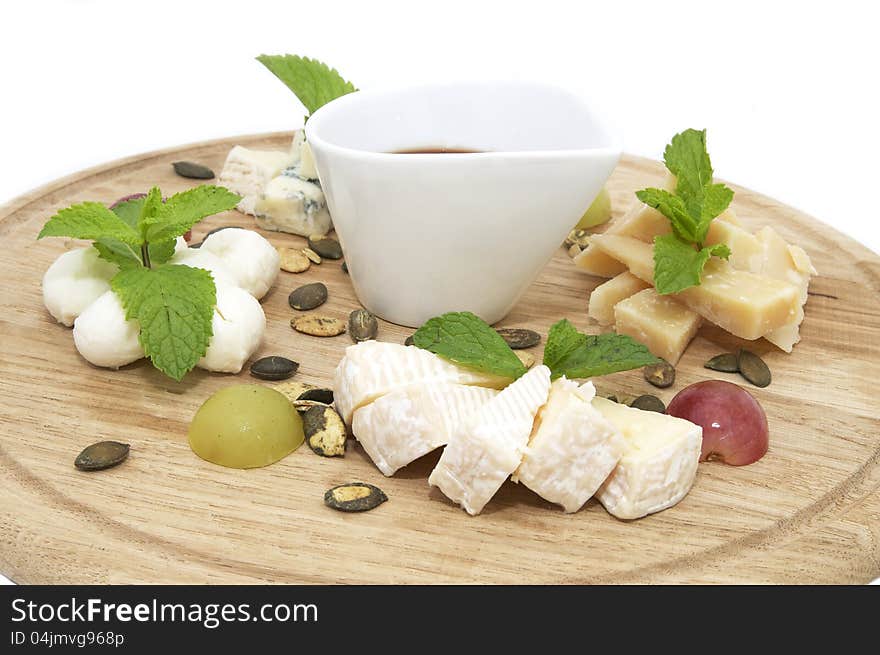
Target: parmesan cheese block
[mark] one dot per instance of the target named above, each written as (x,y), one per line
(658,464)
(372,369)
(662,323)
(608,294)
(491,443)
(406,424)
(789,264)
(247,172)
(747,253)
(572,448)
(743,303)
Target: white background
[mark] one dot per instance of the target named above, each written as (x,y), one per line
(787,90)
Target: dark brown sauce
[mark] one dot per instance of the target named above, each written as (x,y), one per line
(437,150)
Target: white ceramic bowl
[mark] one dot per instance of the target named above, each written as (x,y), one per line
(424,234)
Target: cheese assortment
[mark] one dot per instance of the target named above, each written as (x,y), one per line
(279,188)
(557,439)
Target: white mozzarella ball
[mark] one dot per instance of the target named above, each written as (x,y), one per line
(251,259)
(180,244)
(103,336)
(74,281)
(198,258)
(238,325)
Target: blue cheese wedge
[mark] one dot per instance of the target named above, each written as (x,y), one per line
(658,464)
(573,448)
(404,425)
(491,443)
(372,369)
(247,172)
(291,204)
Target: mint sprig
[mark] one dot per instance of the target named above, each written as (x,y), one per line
(679,257)
(313,82)
(173,304)
(577,355)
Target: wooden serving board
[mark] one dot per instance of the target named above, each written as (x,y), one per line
(809,511)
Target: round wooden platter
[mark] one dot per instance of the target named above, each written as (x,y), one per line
(808,512)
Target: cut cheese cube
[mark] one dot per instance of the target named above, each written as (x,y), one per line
(608,294)
(745,304)
(491,443)
(662,323)
(789,264)
(746,252)
(659,461)
(371,369)
(404,425)
(291,204)
(572,450)
(593,261)
(247,172)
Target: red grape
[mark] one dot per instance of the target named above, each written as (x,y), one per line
(734,424)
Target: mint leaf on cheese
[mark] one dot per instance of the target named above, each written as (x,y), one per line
(466,339)
(673,208)
(171,219)
(312,82)
(174,306)
(90,220)
(576,355)
(678,265)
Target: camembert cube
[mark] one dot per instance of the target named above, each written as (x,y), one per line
(608,294)
(662,323)
(743,303)
(572,449)
(659,461)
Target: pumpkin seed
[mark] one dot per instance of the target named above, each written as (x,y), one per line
(753,368)
(318,326)
(324,431)
(574,250)
(101,455)
(314,257)
(192,170)
(518,338)
(579,238)
(527,359)
(661,374)
(326,247)
(323,396)
(725,363)
(362,325)
(409,341)
(308,296)
(293,261)
(274,367)
(612,398)
(305,405)
(345,268)
(649,403)
(293,390)
(354,497)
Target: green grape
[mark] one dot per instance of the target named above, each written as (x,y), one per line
(597,213)
(245,426)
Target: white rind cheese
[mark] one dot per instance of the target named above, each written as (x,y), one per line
(404,425)
(658,465)
(372,369)
(572,450)
(247,172)
(294,205)
(491,443)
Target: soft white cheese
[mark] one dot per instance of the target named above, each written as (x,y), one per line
(204,259)
(252,261)
(404,425)
(491,443)
(238,327)
(74,281)
(102,335)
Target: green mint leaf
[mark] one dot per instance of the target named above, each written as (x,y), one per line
(677,265)
(312,82)
(174,306)
(162,251)
(149,209)
(673,208)
(116,252)
(466,339)
(721,250)
(716,198)
(89,220)
(576,355)
(181,211)
(130,211)
(687,158)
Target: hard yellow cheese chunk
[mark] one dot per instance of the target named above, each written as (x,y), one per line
(743,303)
(608,294)
(662,323)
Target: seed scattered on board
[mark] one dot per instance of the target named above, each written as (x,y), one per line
(518,338)
(326,247)
(314,257)
(579,238)
(345,268)
(101,455)
(192,170)
(661,374)
(318,326)
(308,296)
(753,368)
(324,396)
(409,341)
(724,363)
(649,403)
(354,497)
(293,261)
(362,325)
(324,431)
(274,367)
(293,390)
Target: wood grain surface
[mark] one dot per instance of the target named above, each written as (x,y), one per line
(808,512)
